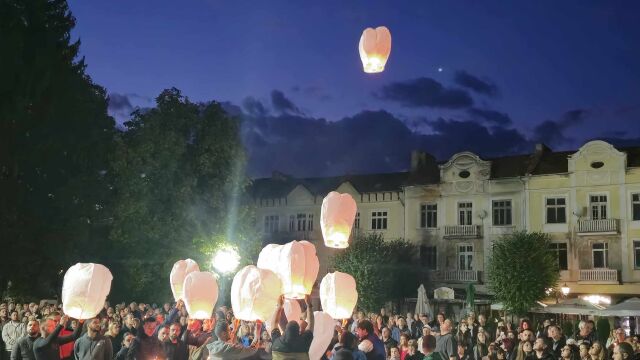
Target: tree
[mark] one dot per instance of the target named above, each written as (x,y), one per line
(55,140)
(178,175)
(521,268)
(383,270)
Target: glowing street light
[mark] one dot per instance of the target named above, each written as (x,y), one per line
(226,260)
(565,289)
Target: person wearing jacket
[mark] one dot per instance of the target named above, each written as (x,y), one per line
(23,348)
(12,331)
(93,345)
(47,347)
(293,344)
(127,340)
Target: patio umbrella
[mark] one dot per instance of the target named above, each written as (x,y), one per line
(630,307)
(572,307)
(422,305)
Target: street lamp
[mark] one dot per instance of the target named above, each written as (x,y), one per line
(565,289)
(226,260)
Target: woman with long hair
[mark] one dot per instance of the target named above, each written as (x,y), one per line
(597,351)
(403,345)
(482,348)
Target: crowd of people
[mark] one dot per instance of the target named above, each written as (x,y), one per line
(150,332)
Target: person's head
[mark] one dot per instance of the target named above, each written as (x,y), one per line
(386,333)
(141,307)
(222,331)
(482,320)
(292,330)
(463,327)
(595,349)
(348,340)
(364,329)
(481,337)
(554,332)
(127,339)
(33,327)
(394,352)
(620,335)
(428,344)
(93,326)
(149,326)
(525,325)
(590,325)
(402,323)
(47,326)
(383,311)
(424,318)
(14,315)
(623,351)
(440,318)
(539,345)
(583,327)
(584,350)
(404,339)
(174,331)
(343,355)
(500,354)
(565,352)
(491,348)
(265,335)
(462,349)
(507,344)
(526,346)
(409,315)
(208,324)
(163,333)
(114,328)
(360,315)
(446,326)
(426,330)
(527,335)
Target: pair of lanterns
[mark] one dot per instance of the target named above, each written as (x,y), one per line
(198,289)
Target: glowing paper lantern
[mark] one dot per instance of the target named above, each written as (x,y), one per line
(84,290)
(255,293)
(200,294)
(180,270)
(292,310)
(375,47)
(338,294)
(323,329)
(336,219)
(296,263)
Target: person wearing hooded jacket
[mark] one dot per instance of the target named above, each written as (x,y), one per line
(222,349)
(292,344)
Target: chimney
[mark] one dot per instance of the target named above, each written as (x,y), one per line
(542,148)
(420,160)
(536,157)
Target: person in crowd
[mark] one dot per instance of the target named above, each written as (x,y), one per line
(429,348)
(410,320)
(403,327)
(394,353)
(585,332)
(223,349)
(556,341)
(619,337)
(93,345)
(12,331)
(365,332)
(584,351)
(146,344)
(23,348)
(463,335)
(540,350)
(463,353)
(414,353)
(481,349)
(437,323)
(426,330)
(386,338)
(623,351)
(113,334)
(378,325)
(292,341)
(597,351)
(403,345)
(176,346)
(47,346)
(347,341)
(127,339)
(569,352)
(446,342)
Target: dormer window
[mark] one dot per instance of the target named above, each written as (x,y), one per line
(464,174)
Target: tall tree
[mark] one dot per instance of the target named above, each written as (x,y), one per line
(179,180)
(55,139)
(521,269)
(384,270)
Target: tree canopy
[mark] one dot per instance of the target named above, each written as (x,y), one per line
(521,268)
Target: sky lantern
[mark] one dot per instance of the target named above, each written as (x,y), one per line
(292,310)
(255,293)
(296,263)
(85,289)
(180,270)
(338,294)
(375,47)
(200,294)
(336,219)
(323,329)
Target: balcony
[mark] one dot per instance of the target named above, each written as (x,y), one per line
(598,227)
(463,231)
(461,276)
(598,276)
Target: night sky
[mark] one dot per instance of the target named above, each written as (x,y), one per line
(493,77)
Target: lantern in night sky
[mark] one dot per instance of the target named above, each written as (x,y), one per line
(375,47)
(85,289)
(200,294)
(338,294)
(323,329)
(180,270)
(296,263)
(255,293)
(336,219)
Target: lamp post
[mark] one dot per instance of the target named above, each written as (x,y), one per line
(565,290)
(225,261)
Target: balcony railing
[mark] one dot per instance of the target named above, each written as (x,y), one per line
(599,276)
(455,275)
(598,226)
(467,231)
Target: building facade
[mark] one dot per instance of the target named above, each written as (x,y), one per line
(588,201)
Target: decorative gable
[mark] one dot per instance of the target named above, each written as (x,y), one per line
(598,163)
(465,172)
(300,195)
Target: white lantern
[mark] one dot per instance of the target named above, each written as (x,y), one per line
(85,289)
(296,263)
(323,329)
(336,219)
(200,294)
(180,270)
(255,293)
(375,47)
(338,294)
(292,310)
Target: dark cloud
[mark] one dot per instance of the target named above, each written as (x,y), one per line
(254,107)
(425,92)
(282,104)
(491,116)
(119,103)
(551,132)
(312,91)
(481,86)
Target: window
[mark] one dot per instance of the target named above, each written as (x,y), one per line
(309,222)
(636,254)
(598,206)
(378,220)
(600,255)
(465,257)
(429,215)
(635,206)
(501,212)
(356,222)
(271,223)
(556,210)
(560,249)
(305,222)
(429,257)
(464,213)
(292,223)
